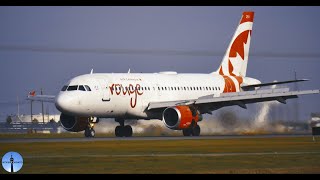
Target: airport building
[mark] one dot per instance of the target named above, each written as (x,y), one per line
(315,123)
(40,124)
(27,118)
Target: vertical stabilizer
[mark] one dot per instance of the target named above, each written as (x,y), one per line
(235,60)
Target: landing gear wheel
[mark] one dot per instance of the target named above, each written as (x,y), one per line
(123,131)
(89,132)
(92,132)
(127,131)
(118,131)
(86,132)
(196,130)
(187,132)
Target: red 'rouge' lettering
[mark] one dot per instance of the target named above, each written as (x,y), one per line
(118,88)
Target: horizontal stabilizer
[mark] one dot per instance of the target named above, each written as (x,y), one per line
(42,98)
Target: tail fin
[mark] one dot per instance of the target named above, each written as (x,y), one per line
(235,60)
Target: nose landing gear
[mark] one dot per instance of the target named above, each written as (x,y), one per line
(89,131)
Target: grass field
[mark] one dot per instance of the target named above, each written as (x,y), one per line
(278,155)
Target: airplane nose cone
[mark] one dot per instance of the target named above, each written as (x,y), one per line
(65,103)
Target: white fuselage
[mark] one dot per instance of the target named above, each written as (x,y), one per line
(127,95)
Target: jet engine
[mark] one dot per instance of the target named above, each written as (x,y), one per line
(180,117)
(73,123)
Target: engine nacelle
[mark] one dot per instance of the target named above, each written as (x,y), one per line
(180,117)
(72,123)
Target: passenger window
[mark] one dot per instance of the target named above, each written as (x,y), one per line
(88,88)
(72,88)
(81,88)
(64,88)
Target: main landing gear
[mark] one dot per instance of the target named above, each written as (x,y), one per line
(89,131)
(122,130)
(193,130)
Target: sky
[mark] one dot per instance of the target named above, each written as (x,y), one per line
(44,47)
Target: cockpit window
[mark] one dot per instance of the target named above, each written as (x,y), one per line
(64,88)
(88,88)
(72,88)
(81,88)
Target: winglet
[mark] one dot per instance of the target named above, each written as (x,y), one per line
(91,72)
(129,71)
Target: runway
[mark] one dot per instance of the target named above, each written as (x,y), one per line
(151,138)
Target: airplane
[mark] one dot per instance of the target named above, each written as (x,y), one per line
(178,100)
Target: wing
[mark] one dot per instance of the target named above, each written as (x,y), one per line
(42,98)
(206,104)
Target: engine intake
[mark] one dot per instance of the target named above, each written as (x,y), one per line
(73,123)
(180,117)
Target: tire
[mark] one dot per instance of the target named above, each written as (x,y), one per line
(127,131)
(92,132)
(118,131)
(187,132)
(86,132)
(196,130)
